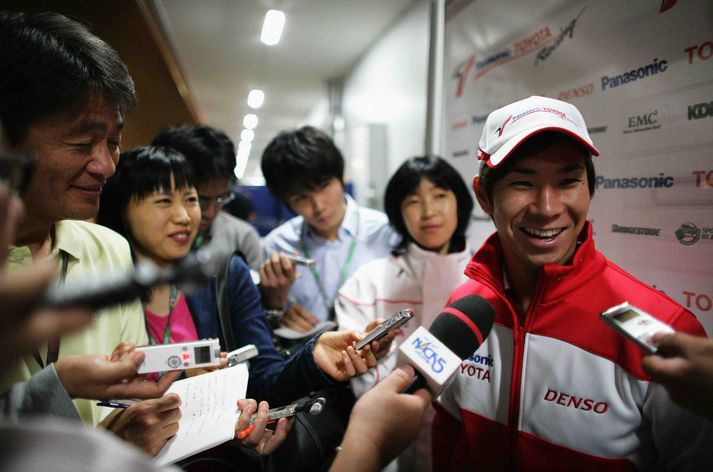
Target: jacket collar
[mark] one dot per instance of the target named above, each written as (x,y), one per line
(559,280)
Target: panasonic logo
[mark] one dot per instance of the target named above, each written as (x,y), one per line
(635,74)
(660,181)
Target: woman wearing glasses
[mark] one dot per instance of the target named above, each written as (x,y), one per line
(152,201)
(429,206)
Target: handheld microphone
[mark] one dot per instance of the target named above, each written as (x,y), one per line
(454,335)
(113,289)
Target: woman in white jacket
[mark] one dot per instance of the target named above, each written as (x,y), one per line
(429,205)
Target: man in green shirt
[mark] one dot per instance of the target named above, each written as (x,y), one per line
(63,93)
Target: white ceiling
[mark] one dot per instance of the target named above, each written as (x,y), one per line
(216,44)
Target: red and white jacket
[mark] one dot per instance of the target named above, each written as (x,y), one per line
(563,391)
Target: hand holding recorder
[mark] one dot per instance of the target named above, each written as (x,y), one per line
(683,364)
(252,430)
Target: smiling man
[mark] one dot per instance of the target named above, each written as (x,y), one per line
(564,391)
(63,94)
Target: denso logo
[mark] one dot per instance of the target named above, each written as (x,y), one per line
(700,110)
(576,92)
(701,301)
(702,51)
(635,74)
(428,354)
(459,125)
(571,401)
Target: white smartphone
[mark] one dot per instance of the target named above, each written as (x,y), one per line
(635,324)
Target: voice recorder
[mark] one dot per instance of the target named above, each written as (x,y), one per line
(180,356)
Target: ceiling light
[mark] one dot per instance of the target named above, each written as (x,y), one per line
(244,146)
(241,162)
(250,121)
(247,135)
(256,98)
(272,27)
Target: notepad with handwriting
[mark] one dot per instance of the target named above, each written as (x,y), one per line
(208,412)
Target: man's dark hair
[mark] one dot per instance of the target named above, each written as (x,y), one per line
(489,176)
(140,172)
(406,180)
(210,151)
(51,65)
(300,160)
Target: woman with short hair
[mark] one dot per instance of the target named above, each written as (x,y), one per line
(429,205)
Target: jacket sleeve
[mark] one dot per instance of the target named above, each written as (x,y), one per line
(682,439)
(272,378)
(355,308)
(250,247)
(43,394)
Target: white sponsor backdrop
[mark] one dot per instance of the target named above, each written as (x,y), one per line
(641,73)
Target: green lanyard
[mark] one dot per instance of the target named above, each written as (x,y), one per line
(172,296)
(343,273)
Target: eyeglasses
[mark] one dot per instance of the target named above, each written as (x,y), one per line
(220,201)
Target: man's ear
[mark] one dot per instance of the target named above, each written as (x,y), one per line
(482,198)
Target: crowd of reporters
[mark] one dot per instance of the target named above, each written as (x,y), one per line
(63,97)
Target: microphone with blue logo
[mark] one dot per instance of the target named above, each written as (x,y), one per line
(455,334)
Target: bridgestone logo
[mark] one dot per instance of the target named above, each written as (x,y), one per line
(636,230)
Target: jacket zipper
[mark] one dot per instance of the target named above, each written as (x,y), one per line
(516,380)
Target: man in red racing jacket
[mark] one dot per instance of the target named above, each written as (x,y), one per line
(553,388)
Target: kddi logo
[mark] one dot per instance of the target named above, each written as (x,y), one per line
(700,110)
(689,234)
(428,354)
(645,122)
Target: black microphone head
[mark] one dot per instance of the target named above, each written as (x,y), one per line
(464,324)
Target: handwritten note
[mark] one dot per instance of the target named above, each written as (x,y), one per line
(208,412)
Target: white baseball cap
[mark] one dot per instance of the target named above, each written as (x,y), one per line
(508,127)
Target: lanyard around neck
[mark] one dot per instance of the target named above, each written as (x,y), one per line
(172,297)
(328,302)
(53,344)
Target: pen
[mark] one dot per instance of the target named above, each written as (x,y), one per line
(113,404)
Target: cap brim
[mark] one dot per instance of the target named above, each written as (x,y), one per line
(508,148)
